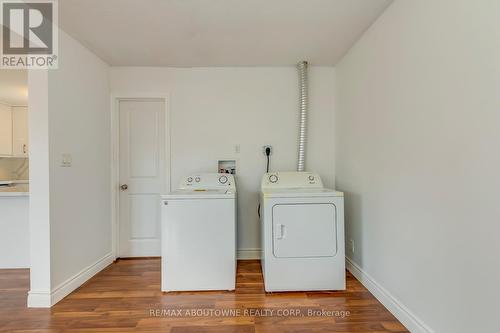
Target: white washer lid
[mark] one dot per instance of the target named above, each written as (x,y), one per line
(301,193)
(222,193)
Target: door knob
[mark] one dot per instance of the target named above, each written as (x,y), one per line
(124,187)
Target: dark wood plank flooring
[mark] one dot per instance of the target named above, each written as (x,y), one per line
(126,297)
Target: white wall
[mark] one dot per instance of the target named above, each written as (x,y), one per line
(417,142)
(75,201)
(39,203)
(212,109)
(79,123)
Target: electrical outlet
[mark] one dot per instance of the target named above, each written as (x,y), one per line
(237,148)
(264,149)
(352,245)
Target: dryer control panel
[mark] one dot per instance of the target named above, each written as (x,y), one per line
(208,180)
(278,180)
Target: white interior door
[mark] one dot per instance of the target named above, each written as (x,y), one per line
(142,176)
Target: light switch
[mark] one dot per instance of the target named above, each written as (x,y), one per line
(66,160)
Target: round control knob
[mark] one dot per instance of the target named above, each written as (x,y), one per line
(273,178)
(190,179)
(197,179)
(222,179)
(311,178)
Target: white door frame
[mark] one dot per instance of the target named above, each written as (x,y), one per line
(115,155)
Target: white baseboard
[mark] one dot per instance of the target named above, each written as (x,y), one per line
(248,254)
(401,312)
(39,299)
(46,300)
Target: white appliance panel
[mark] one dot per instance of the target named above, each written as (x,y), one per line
(304,230)
(291,180)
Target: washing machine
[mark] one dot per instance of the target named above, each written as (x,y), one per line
(302,233)
(198,232)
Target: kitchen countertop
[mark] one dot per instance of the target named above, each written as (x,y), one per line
(16,190)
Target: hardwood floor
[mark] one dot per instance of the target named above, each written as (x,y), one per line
(126,297)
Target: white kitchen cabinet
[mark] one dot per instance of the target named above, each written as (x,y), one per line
(13,131)
(5,130)
(15,234)
(20,131)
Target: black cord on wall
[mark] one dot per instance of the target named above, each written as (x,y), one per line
(268,154)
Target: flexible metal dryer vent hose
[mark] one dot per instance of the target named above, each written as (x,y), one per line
(302,68)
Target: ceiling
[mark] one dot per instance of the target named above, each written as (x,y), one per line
(188,33)
(14,86)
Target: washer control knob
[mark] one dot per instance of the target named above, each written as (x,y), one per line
(190,179)
(222,179)
(273,178)
(197,179)
(311,178)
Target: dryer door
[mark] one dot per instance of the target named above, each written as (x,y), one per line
(304,230)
